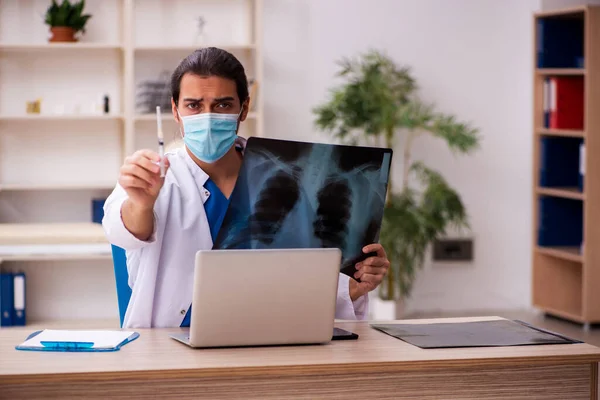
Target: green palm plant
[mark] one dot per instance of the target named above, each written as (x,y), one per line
(377,104)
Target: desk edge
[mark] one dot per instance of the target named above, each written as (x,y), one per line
(309,369)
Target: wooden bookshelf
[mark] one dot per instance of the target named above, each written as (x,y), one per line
(563,192)
(566,258)
(562,283)
(561,313)
(561,71)
(563,12)
(561,132)
(566,253)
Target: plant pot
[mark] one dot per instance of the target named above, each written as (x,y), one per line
(381,310)
(62,34)
(400,308)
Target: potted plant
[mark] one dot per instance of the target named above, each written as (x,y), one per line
(377,105)
(65,20)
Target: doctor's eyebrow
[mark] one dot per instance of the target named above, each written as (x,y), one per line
(221,99)
(216,99)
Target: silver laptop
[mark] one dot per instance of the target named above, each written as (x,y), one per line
(263,297)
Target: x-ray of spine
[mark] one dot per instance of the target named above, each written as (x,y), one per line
(307,195)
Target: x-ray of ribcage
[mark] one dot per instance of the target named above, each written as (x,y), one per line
(307,195)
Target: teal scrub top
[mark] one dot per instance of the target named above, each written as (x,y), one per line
(215,207)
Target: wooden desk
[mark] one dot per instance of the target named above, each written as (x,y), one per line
(375,366)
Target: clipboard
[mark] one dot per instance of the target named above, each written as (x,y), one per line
(72,346)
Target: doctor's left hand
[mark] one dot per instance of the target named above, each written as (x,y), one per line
(370,271)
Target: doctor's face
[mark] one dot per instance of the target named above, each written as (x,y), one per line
(212,94)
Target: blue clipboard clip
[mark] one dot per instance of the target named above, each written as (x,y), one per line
(70,346)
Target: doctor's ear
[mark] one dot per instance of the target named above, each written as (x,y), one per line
(245,109)
(174,110)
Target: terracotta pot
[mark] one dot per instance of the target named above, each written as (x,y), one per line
(62,34)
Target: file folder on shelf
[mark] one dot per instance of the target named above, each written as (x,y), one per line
(547,100)
(560,222)
(6,299)
(560,161)
(566,102)
(19,316)
(560,42)
(98,210)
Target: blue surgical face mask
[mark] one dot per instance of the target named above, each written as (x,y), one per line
(209,136)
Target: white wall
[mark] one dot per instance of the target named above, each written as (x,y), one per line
(473,59)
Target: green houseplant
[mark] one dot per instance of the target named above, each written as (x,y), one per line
(65,20)
(377,105)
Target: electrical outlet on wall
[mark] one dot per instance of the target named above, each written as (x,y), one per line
(453,249)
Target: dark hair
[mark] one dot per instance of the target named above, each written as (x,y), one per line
(211,61)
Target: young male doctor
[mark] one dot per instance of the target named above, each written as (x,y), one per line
(163,222)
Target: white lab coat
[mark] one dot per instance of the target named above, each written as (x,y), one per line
(161,270)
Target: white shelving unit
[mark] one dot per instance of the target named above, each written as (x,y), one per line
(46,47)
(21,187)
(54,163)
(58,117)
(189,49)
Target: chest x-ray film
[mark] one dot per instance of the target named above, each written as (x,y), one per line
(307,195)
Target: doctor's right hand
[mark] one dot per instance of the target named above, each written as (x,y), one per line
(140,177)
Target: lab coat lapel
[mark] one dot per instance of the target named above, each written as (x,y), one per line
(200,177)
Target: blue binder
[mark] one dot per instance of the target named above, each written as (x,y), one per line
(98,210)
(18,315)
(559,161)
(560,43)
(6,299)
(560,222)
